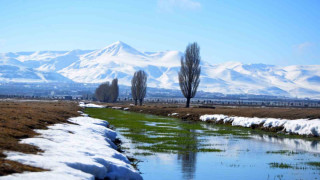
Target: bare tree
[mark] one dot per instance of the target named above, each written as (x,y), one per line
(114,90)
(189,75)
(107,92)
(139,87)
(103,92)
(134,89)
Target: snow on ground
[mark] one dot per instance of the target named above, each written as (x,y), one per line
(83,150)
(298,126)
(89,105)
(173,114)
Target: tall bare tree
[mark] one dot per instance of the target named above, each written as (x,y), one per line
(189,74)
(139,87)
(134,89)
(114,90)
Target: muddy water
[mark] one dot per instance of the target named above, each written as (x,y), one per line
(243,153)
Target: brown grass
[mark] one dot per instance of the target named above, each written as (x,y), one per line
(19,119)
(195,112)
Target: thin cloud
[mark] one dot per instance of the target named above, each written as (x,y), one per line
(301,48)
(171,5)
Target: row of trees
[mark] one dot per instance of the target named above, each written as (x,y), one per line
(189,80)
(107,92)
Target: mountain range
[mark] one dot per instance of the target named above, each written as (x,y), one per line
(121,60)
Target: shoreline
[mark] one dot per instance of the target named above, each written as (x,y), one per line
(19,120)
(59,148)
(264,119)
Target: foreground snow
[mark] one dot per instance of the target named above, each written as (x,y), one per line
(75,151)
(299,126)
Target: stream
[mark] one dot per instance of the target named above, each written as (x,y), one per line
(170,148)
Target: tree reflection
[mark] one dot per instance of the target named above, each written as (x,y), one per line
(188,155)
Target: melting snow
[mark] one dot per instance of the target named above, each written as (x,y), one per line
(173,114)
(82,104)
(71,151)
(298,126)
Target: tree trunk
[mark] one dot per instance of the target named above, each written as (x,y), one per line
(135,102)
(140,102)
(188,103)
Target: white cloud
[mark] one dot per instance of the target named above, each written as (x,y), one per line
(301,48)
(170,5)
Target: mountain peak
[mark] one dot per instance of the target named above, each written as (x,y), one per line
(117,48)
(118,43)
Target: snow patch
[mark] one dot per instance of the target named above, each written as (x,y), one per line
(83,150)
(90,105)
(298,126)
(174,114)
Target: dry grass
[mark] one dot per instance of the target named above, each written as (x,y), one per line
(195,113)
(19,119)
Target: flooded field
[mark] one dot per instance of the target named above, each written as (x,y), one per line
(170,148)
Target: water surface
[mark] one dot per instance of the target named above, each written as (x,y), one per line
(170,148)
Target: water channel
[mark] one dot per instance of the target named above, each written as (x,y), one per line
(170,148)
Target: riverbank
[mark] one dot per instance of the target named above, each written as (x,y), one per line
(194,113)
(293,121)
(65,146)
(18,120)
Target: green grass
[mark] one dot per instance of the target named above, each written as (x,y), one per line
(285,152)
(155,134)
(209,150)
(316,164)
(280,165)
(143,154)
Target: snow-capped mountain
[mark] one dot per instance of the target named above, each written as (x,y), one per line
(121,60)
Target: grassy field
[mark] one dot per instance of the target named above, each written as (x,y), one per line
(160,134)
(19,119)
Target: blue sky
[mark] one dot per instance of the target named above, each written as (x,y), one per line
(284,32)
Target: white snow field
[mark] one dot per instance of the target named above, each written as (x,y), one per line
(83,150)
(298,126)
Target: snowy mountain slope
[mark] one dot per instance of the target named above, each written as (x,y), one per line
(40,66)
(121,60)
(13,71)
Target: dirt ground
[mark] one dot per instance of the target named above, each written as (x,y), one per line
(195,112)
(18,119)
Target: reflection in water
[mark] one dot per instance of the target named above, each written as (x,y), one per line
(188,158)
(244,152)
(298,144)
